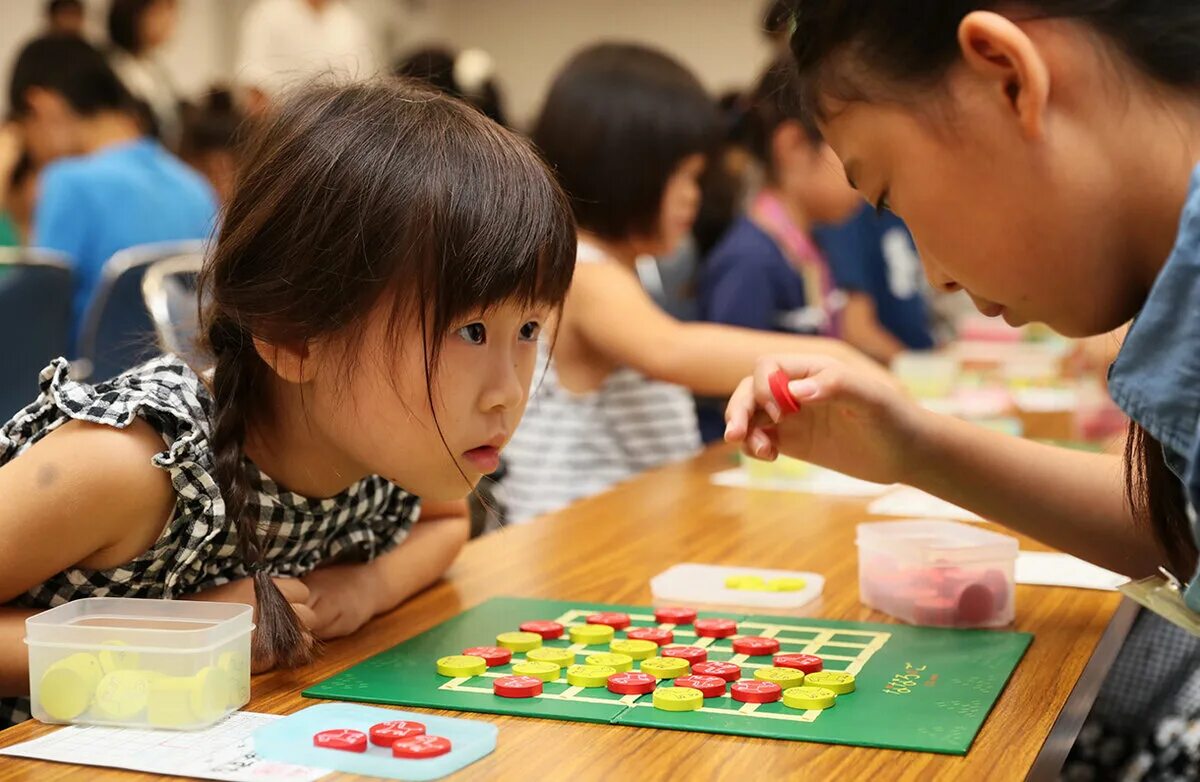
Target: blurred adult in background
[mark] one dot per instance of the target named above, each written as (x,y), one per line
(468,75)
(137,29)
(105,186)
(211,132)
(65,17)
(287,41)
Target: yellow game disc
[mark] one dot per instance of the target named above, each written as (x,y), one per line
(539,669)
(589,675)
(457,665)
(86,665)
(809,697)
(838,681)
(784,677)
(638,650)
(786,584)
(170,702)
(591,635)
(238,668)
(122,695)
(615,660)
(518,641)
(64,694)
(678,699)
(210,693)
(748,583)
(113,659)
(665,667)
(550,654)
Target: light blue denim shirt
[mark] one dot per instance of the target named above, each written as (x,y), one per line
(1156,377)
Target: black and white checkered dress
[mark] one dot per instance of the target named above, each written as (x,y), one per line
(197,547)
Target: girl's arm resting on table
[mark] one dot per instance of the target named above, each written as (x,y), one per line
(424,556)
(86,495)
(618,319)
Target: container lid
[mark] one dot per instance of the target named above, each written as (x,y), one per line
(160,625)
(933,542)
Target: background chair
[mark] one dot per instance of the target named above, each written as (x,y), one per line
(170,290)
(35,321)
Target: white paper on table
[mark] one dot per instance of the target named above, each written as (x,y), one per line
(913,503)
(1047,568)
(223,752)
(818,481)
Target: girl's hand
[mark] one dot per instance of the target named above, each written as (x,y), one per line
(242,591)
(342,598)
(850,420)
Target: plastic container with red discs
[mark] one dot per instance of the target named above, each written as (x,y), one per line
(939,573)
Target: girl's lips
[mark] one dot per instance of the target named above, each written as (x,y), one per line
(485,458)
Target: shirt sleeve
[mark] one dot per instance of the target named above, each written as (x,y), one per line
(58,222)
(847,248)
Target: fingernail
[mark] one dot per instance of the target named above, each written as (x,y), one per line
(803,389)
(773,411)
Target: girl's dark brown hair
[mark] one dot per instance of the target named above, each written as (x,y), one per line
(866,49)
(350,197)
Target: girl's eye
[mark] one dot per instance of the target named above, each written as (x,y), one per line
(475,333)
(530,331)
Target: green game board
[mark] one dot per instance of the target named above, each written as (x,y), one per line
(919,688)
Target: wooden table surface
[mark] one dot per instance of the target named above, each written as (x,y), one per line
(606,550)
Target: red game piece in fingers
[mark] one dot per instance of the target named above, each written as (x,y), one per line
(631,683)
(755,645)
(385,734)
(547,630)
(517,686)
(693,654)
(421,747)
(715,628)
(755,691)
(614,619)
(341,738)
(778,382)
(809,663)
(654,634)
(675,615)
(709,686)
(492,655)
(730,672)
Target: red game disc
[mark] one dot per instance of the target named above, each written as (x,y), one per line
(675,615)
(939,611)
(613,619)
(976,604)
(809,663)
(693,654)
(547,630)
(517,686)
(715,628)
(755,691)
(385,734)
(779,390)
(631,683)
(730,672)
(709,686)
(492,655)
(341,738)
(755,645)
(421,747)
(654,634)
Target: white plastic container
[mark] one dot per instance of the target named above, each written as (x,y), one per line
(176,664)
(940,573)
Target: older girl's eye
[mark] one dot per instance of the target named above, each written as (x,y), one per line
(530,331)
(475,333)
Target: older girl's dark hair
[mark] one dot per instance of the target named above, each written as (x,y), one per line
(381,193)
(862,49)
(617,121)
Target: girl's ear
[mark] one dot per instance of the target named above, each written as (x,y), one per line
(292,362)
(996,49)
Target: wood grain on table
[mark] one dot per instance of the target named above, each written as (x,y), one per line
(607,548)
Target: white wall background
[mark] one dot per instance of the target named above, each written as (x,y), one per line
(529,39)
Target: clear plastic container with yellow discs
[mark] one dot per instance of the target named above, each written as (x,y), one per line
(175,664)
